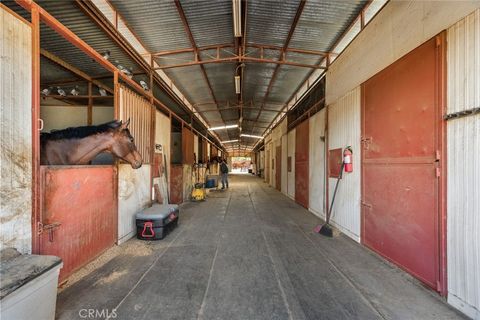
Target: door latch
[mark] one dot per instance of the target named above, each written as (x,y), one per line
(50,228)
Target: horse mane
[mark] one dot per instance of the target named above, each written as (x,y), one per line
(79,132)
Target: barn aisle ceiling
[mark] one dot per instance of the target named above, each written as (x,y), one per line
(193,43)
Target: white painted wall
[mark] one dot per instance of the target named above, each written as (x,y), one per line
(133,196)
(316,168)
(15,133)
(291,153)
(162,137)
(399,27)
(284,165)
(60,117)
(344,130)
(463,173)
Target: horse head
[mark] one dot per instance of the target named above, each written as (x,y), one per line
(124,147)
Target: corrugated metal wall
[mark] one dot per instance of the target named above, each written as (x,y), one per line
(284,164)
(463,172)
(291,136)
(133,195)
(16,133)
(344,130)
(139,111)
(317,164)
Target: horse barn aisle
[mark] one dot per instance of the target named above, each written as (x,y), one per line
(249,254)
(239,159)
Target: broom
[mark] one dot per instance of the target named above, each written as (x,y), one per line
(325,229)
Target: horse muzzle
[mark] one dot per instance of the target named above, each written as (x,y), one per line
(136,164)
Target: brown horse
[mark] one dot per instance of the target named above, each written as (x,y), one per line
(79,145)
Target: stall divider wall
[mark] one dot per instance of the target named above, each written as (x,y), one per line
(344,118)
(162,137)
(463,173)
(317,163)
(16,132)
(134,186)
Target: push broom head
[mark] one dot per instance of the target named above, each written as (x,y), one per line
(324,229)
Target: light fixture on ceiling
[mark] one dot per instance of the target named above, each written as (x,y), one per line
(230,141)
(237,78)
(223,127)
(237,17)
(237,84)
(250,136)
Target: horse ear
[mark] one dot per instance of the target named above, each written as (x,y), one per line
(124,125)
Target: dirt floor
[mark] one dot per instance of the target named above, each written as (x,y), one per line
(247,253)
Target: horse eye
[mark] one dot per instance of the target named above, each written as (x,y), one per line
(131,139)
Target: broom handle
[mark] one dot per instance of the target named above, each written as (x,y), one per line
(335,193)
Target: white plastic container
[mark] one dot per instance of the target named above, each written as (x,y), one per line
(35,292)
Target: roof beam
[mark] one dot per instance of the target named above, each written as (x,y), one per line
(238,58)
(245,46)
(282,54)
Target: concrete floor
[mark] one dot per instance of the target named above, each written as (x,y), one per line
(249,253)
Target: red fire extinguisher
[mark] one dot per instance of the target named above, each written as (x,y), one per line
(348,159)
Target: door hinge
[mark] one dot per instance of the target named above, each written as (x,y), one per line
(437,155)
(437,172)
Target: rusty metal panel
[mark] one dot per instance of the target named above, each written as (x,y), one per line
(187,146)
(16,132)
(401,146)
(463,176)
(78,213)
(176,184)
(301,163)
(139,111)
(335,158)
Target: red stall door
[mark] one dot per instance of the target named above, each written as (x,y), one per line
(301,164)
(401,152)
(79,214)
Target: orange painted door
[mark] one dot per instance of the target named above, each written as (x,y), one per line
(79,213)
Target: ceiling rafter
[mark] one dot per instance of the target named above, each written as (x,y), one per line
(300,8)
(183,17)
(245,46)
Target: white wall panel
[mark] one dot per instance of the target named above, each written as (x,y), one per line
(344,130)
(398,28)
(317,164)
(463,173)
(15,133)
(291,153)
(133,196)
(284,165)
(162,137)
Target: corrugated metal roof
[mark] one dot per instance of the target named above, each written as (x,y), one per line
(156,23)
(210,21)
(322,22)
